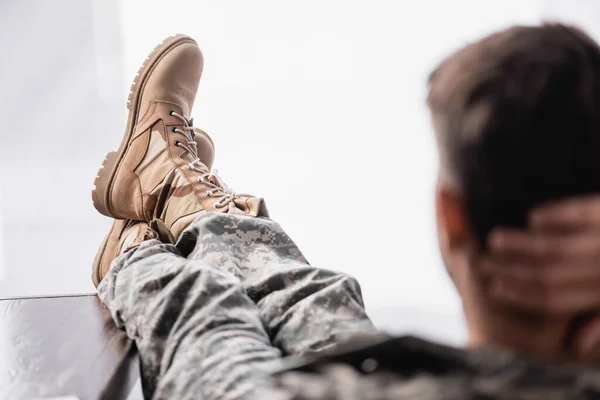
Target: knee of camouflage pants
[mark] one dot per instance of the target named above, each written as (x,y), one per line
(239,244)
(307,309)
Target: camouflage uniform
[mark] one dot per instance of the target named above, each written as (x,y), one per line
(410,368)
(213,315)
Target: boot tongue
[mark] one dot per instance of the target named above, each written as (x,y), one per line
(193,158)
(189,157)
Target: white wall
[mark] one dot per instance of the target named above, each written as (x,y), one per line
(60,76)
(2,267)
(583,13)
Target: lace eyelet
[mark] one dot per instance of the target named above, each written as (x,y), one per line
(171,112)
(209,193)
(218,205)
(200,179)
(173,129)
(177,143)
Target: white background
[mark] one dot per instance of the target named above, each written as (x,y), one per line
(316,105)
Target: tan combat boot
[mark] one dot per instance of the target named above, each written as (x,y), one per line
(125,234)
(156,172)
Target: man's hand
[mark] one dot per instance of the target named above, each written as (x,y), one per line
(554,266)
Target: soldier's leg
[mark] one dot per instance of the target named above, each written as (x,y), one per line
(304,309)
(198,335)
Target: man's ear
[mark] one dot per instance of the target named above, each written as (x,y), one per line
(451,217)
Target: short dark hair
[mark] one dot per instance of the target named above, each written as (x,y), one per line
(517,118)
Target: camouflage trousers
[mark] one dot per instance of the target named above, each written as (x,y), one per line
(212,314)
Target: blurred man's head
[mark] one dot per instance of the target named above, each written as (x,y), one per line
(517,121)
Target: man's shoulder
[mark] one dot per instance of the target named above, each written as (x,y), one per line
(402,354)
(408,366)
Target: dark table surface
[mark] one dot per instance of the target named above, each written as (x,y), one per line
(58,346)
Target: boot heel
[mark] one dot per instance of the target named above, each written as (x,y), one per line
(102,184)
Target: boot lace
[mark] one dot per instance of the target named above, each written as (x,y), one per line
(218,188)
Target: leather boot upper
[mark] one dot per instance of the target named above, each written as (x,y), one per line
(162,157)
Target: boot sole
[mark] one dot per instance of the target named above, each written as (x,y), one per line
(103,183)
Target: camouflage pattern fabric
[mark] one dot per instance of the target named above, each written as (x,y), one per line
(213,315)
(410,368)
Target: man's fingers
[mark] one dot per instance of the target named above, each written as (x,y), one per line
(586,345)
(506,241)
(547,276)
(579,212)
(555,302)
